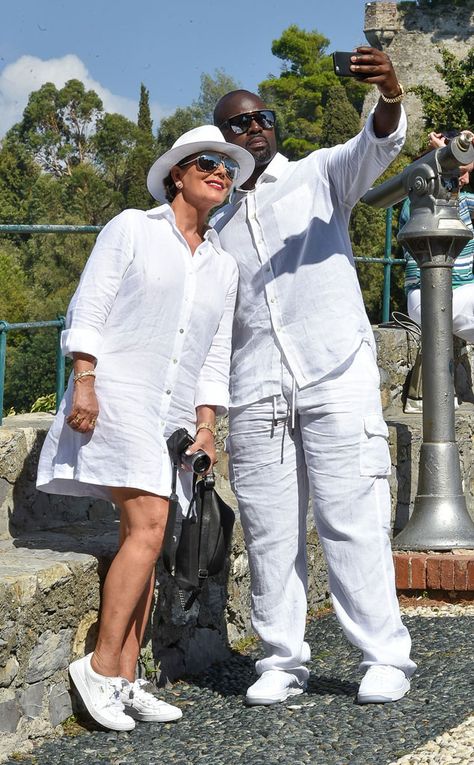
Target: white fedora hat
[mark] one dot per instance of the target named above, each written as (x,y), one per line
(203,138)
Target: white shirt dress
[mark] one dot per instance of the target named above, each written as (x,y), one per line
(158,320)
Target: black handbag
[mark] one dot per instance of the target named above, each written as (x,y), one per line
(195,546)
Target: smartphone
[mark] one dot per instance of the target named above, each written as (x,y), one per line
(341,61)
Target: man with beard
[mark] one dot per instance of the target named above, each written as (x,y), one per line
(305,411)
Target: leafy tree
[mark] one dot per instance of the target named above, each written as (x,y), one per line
(456,108)
(141,158)
(18,173)
(115,139)
(58,125)
(300,93)
(200,112)
(14,290)
(340,119)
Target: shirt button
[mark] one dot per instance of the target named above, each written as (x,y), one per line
(168,392)
(272,300)
(181,331)
(175,361)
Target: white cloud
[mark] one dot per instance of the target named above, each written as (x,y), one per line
(28,73)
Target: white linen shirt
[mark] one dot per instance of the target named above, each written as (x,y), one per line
(298,288)
(158,320)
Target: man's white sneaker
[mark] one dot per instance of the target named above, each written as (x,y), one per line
(382,683)
(101,695)
(143,705)
(273,686)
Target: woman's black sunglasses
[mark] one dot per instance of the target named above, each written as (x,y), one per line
(241,122)
(209,162)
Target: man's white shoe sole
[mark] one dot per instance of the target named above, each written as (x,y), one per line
(276,699)
(76,670)
(381,698)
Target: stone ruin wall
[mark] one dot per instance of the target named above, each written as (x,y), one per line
(412,37)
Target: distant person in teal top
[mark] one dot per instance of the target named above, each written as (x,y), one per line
(462,273)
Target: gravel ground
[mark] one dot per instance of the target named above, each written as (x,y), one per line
(322,727)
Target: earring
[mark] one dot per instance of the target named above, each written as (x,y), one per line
(179,185)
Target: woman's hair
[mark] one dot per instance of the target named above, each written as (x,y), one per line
(170,188)
(169,184)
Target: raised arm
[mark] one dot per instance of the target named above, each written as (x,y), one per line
(375,68)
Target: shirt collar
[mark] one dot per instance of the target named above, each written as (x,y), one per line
(166,211)
(272,172)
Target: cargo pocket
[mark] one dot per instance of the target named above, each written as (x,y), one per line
(374,451)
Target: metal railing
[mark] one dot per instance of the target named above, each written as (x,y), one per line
(5,327)
(387,261)
(58,323)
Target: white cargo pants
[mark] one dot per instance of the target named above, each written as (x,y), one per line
(338,451)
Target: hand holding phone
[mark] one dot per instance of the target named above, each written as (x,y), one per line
(342,62)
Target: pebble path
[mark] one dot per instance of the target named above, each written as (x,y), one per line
(433,724)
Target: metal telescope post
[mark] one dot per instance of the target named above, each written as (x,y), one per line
(434,236)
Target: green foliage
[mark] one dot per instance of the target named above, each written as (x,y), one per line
(301,91)
(340,120)
(57,125)
(200,112)
(140,158)
(456,108)
(45,404)
(367,232)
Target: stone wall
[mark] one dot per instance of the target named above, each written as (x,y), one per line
(412,37)
(54,553)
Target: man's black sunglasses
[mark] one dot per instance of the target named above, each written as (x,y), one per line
(241,122)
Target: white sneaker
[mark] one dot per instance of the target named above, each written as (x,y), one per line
(382,683)
(101,695)
(143,705)
(274,686)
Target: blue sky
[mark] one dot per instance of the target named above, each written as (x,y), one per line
(114,46)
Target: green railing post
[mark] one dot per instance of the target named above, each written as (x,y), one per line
(60,364)
(3,355)
(387,268)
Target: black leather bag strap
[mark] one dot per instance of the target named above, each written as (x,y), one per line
(168,552)
(207,488)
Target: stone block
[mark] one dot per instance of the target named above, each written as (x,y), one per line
(31,700)
(9,712)
(8,672)
(60,707)
(51,653)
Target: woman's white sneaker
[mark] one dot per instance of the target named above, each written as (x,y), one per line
(382,683)
(101,695)
(143,705)
(274,686)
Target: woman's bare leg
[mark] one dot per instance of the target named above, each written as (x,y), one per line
(128,587)
(137,626)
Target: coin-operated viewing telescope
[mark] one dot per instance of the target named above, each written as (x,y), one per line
(435,235)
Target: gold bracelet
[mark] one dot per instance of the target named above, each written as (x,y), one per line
(206,426)
(79,375)
(395,99)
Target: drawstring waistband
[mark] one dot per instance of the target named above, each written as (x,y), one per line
(293,405)
(290,410)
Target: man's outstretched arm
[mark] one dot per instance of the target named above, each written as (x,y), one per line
(376,69)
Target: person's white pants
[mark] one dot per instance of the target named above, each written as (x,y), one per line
(338,450)
(463,310)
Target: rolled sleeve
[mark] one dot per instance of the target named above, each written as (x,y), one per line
(98,287)
(212,388)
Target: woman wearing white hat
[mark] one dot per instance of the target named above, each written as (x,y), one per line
(149,331)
